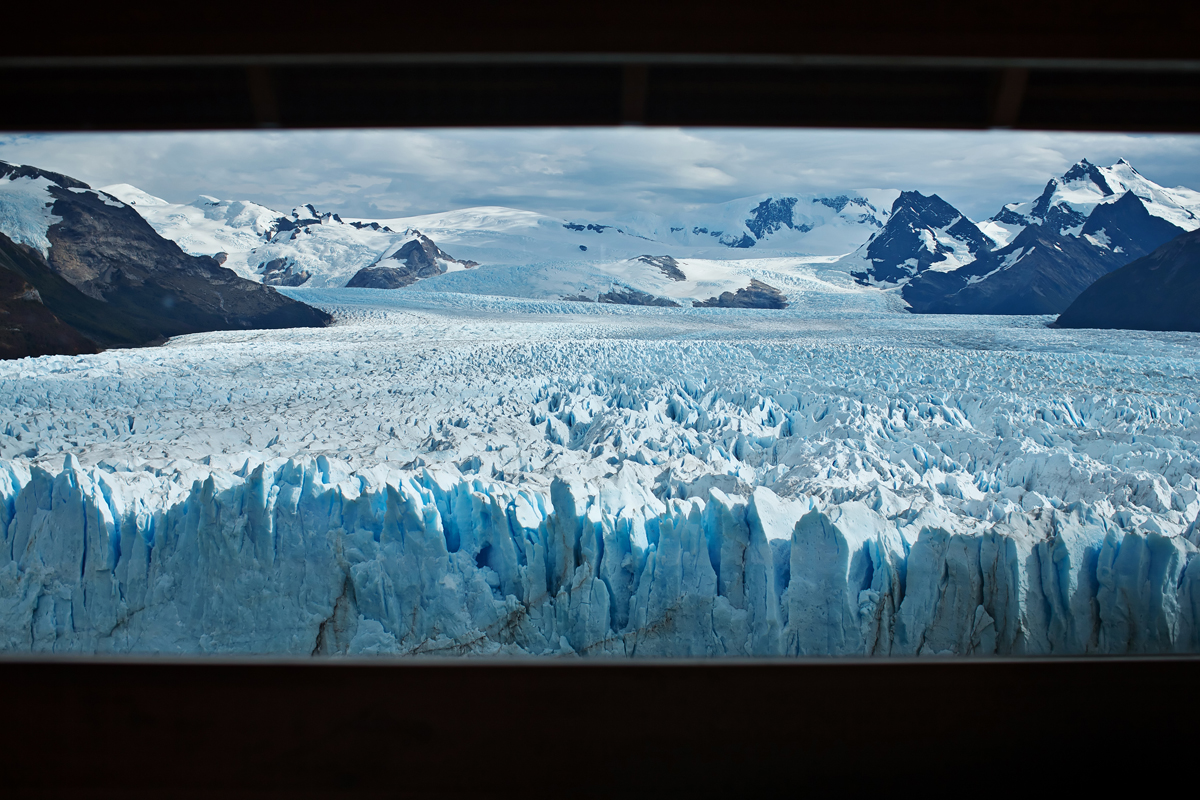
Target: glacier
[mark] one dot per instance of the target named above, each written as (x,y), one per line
(458,475)
(525,253)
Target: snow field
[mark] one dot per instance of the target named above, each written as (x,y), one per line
(449,474)
(25,211)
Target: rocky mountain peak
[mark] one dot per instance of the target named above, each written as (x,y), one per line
(1085,170)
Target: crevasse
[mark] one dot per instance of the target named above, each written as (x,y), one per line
(308,557)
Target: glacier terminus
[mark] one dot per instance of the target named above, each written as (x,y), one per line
(449,474)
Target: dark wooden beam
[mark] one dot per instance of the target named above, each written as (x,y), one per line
(1068,29)
(1097,65)
(579,729)
(525,90)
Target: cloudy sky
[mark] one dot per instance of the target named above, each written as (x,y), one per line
(588,172)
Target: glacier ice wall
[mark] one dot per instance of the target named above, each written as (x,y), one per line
(501,476)
(307,556)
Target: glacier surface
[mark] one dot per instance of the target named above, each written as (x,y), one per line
(526,254)
(447,474)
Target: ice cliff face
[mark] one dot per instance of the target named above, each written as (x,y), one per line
(509,477)
(307,557)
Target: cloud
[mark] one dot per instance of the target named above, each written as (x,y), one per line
(588,171)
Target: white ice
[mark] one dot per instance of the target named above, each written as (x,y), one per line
(25,211)
(453,474)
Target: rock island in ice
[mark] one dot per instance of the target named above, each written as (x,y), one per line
(445,474)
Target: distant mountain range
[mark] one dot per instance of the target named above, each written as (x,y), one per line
(120,267)
(519,252)
(1032,257)
(104,278)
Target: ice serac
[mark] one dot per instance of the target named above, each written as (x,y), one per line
(307,557)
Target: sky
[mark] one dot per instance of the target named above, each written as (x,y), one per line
(588,172)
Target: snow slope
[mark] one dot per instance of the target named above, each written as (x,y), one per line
(464,474)
(830,224)
(25,215)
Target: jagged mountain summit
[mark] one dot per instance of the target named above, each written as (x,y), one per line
(1031,258)
(1067,202)
(102,271)
(921,233)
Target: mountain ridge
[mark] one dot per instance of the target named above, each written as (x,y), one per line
(1157,292)
(1052,248)
(1089,220)
(101,269)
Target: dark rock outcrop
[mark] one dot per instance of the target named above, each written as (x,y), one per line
(375,226)
(1158,292)
(838,205)
(1040,272)
(380,278)
(771,215)
(417,259)
(666,264)
(112,278)
(1128,229)
(27,327)
(626,296)
(15,171)
(281,272)
(92,318)
(756,295)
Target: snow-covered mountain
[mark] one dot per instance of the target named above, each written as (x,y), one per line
(101,271)
(922,233)
(407,262)
(1067,202)
(517,252)
(1031,258)
(830,224)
